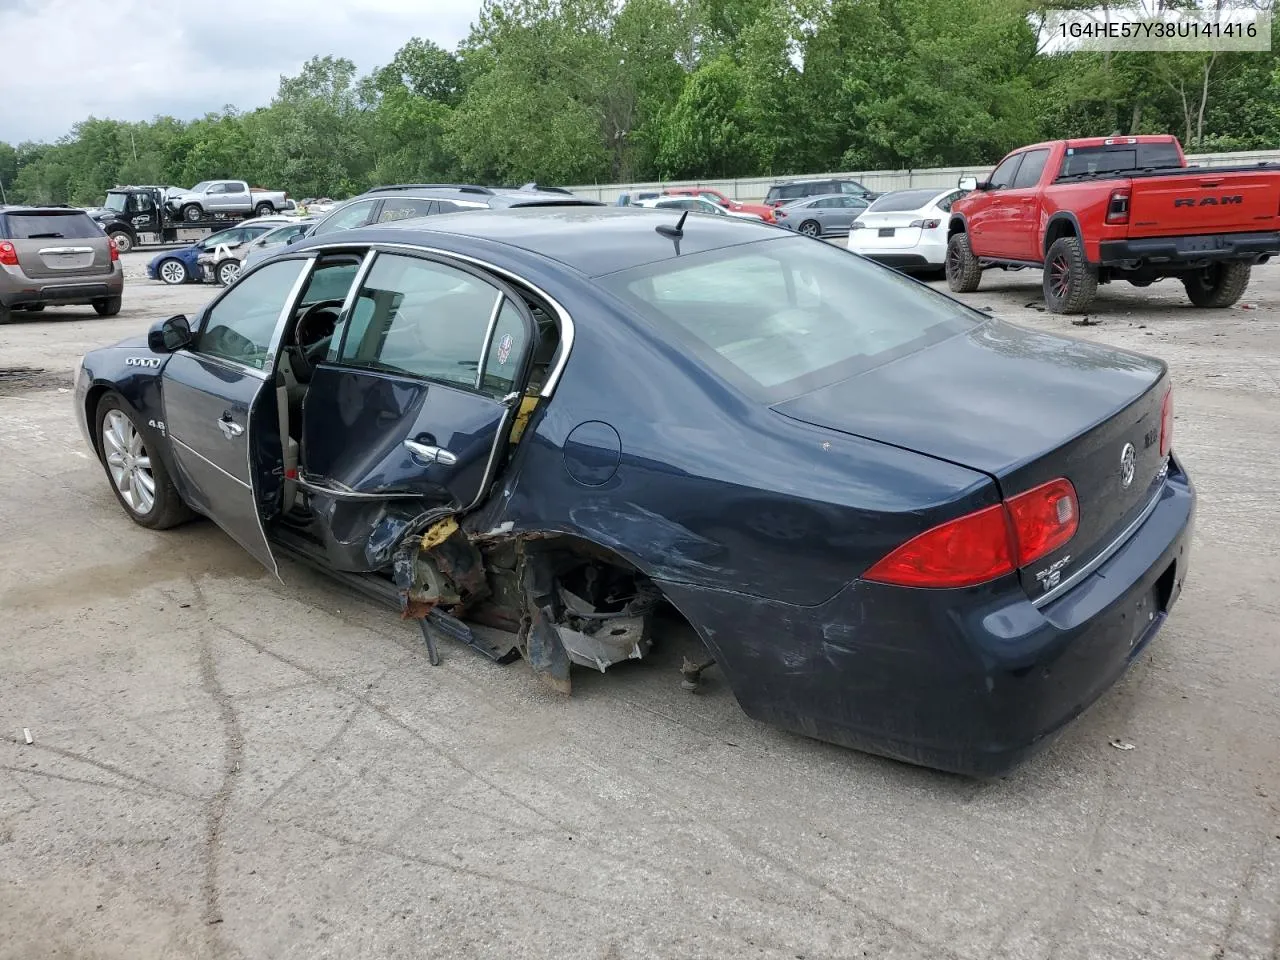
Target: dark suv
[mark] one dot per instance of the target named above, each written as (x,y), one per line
(53,256)
(404,201)
(781,193)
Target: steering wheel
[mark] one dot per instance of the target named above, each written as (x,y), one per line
(311,336)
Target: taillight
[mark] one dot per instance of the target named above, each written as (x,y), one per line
(779,213)
(925,224)
(1166,424)
(1118,207)
(115,251)
(986,544)
(857,225)
(8,254)
(1044,518)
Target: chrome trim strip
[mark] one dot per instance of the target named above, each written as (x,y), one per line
(353,294)
(286,312)
(341,492)
(201,456)
(488,337)
(566,321)
(499,443)
(1107,553)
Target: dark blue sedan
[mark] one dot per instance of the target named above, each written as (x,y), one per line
(895,523)
(180,266)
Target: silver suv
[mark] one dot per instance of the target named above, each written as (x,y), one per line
(56,256)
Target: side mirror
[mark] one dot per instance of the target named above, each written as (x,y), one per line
(168,336)
(967,183)
(294,239)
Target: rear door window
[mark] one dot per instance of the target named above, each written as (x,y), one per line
(51,226)
(404,208)
(421,319)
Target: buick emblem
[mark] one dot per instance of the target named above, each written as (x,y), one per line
(1127,457)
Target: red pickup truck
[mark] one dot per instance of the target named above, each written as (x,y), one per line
(761,210)
(1123,208)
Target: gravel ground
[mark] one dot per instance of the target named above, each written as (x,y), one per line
(225,766)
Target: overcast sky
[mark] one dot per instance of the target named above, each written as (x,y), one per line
(65,60)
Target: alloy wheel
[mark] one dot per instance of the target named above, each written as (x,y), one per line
(128,462)
(171,271)
(227,273)
(809,229)
(1060,276)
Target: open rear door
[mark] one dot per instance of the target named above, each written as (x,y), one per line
(419,392)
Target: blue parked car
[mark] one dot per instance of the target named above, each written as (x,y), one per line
(179,266)
(895,523)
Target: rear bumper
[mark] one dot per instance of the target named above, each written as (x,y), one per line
(17,289)
(968,681)
(1188,251)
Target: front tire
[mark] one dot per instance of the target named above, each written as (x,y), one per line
(172,272)
(263,210)
(123,242)
(108,307)
(192,212)
(227,272)
(1070,284)
(962,269)
(138,479)
(1218,286)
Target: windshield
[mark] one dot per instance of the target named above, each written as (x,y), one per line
(117,202)
(903,200)
(201,186)
(783,317)
(228,237)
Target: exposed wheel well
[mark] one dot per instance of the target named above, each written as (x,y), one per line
(1056,231)
(955,226)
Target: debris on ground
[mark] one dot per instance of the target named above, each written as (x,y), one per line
(1121,744)
(26,732)
(1085,321)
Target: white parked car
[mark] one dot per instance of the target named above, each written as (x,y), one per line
(906,229)
(697,205)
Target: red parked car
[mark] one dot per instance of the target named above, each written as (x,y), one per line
(1122,208)
(715,196)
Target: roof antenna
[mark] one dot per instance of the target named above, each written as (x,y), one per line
(676,232)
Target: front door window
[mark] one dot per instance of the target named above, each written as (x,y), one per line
(239,327)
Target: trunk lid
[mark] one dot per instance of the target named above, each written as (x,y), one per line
(892,230)
(1024,408)
(1203,202)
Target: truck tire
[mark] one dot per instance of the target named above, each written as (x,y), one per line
(122,240)
(962,269)
(1220,285)
(108,307)
(1070,284)
(192,213)
(263,209)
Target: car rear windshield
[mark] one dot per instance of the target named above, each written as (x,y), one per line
(72,225)
(782,317)
(902,200)
(1118,158)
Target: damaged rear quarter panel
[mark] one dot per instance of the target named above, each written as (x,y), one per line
(712,488)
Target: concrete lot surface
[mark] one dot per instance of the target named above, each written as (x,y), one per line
(225,766)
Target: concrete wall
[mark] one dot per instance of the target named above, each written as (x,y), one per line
(755,188)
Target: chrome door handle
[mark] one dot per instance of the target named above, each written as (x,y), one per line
(424,451)
(230,428)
